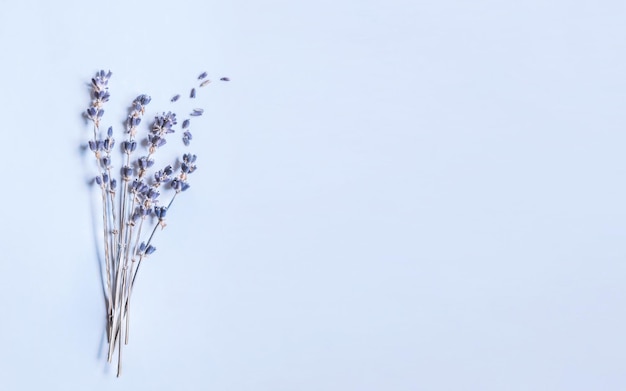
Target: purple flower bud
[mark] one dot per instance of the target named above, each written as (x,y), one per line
(202,76)
(113,184)
(106,161)
(92,145)
(110,131)
(204,83)
(150,249)
(185,186)
(175,98)
(225,79)
(160,212)
(99,180)
(100,113)
(153,194)
(127,172)
(145,163)
(193,93)
(143,99)
(105,178)
(142,246)
(185,124)
(175,184)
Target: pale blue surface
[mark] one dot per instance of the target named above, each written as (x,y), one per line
(392,195)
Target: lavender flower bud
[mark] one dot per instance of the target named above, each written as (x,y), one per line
(99,180)
(175,98)
(127,172)
(175,184)
(202,76)
(145,163)
(142,247)
(204,83)
(193,93)
(185,124)
(92,145)
(160,212)
(225,79)
(150,249)
(153,194)
(113,184)
(110,131)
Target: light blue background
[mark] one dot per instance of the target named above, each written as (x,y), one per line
(392,195)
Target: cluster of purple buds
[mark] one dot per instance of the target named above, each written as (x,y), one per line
(160,212)
(163,124)
(144,163)
(140,212)
(179,185)
(100,95)
(129,146)
(103,180)
(188,165)
(138,109)
(138,186)
(103,145)
(127,172)
(162,176)
(146,250)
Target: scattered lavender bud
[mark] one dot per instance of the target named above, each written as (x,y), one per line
(193,93)
(150,249)
(175,98)
(187,137)
(196,112)
(185,124)
(185,186)
(110,131)
(204,83)
(202,76)
(142,246)
(225,79)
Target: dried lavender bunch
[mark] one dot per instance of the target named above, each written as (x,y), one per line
(132,209)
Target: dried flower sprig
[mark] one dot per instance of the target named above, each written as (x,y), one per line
(137,203)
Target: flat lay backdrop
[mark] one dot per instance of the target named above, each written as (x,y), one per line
(391,195)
